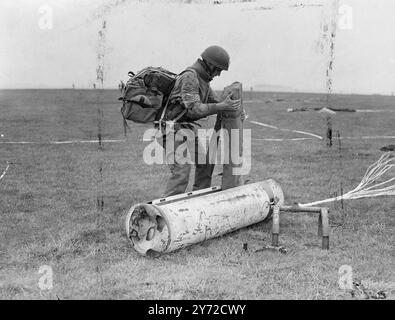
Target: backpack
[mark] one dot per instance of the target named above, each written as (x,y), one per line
(146,97)
(146,93)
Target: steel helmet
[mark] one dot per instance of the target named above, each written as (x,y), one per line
(217,56)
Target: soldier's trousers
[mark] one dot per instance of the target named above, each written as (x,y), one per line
(180,169)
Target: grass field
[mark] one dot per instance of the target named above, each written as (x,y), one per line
(63,205)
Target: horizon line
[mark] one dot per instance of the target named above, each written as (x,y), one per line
(269,91)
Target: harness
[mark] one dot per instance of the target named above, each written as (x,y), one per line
(173,124)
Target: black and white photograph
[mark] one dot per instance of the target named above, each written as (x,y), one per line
(197,155)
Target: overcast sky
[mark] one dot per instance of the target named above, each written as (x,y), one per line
(278,45)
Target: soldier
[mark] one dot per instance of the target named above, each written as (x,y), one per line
(193,96)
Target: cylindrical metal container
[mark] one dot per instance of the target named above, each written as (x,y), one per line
(168,224)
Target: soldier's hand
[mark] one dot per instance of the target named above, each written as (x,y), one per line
(229,105)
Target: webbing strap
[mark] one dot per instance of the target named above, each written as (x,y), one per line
(168,100)
(269,192)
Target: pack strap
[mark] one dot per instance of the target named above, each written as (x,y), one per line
(126,128)
(167,103)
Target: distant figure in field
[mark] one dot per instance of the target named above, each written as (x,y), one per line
(121,86)
(73,86)
(94,86)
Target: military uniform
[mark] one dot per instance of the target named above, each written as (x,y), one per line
(192,93)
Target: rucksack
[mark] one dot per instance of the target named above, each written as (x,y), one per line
(146,93)
(146,98)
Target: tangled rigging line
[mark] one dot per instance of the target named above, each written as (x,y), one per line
(367,187)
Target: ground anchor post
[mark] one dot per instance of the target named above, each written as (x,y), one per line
(323,222)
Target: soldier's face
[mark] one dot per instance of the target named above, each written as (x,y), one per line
(217,72)
(214,71)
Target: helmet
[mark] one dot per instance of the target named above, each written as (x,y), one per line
(217,56)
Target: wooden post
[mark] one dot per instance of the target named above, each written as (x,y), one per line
(324,230)
(231,121)
(276,225)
